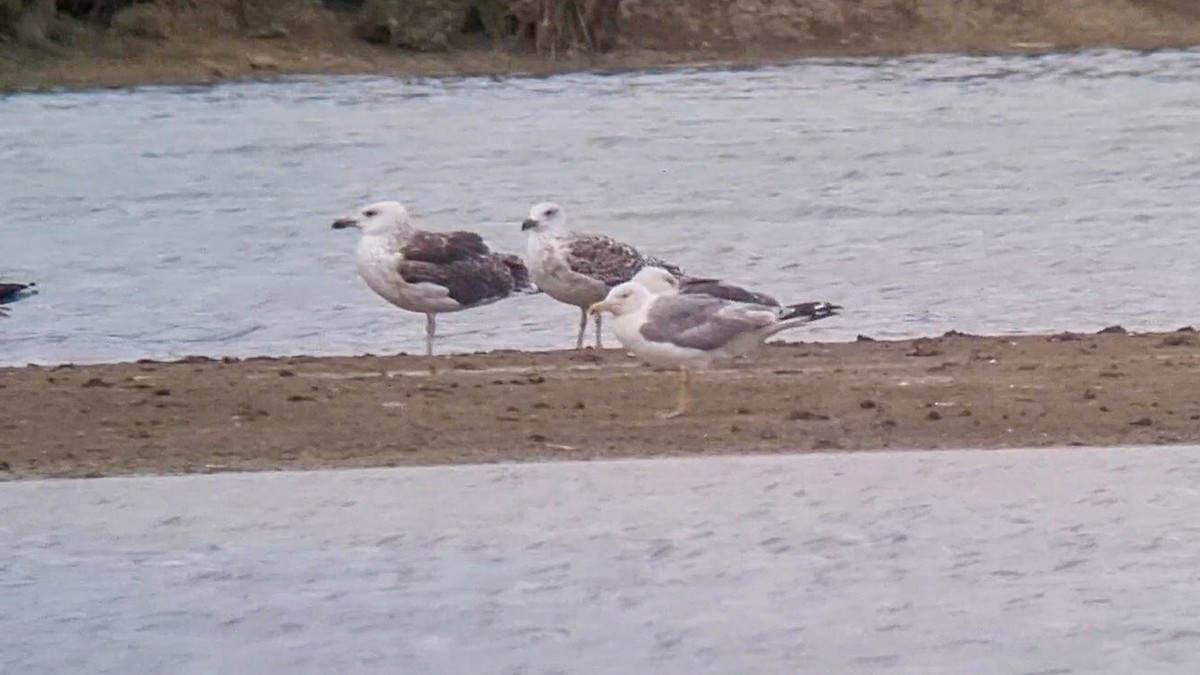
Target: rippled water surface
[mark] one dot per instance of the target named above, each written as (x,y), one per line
(1048,561)
(983,194)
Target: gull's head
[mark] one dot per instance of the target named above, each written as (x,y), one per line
(376,219)
(623,299)
(656,280)
(545,217)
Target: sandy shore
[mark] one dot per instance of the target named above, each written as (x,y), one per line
(235,61)
(200,415)
(231,61)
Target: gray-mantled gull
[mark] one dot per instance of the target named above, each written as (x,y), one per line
(658,281)
(691,331)
(430,272)
(11,292)
(577,268)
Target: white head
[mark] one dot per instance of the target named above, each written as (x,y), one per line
(545,217)
(380,218)
(623,299)
(657,280)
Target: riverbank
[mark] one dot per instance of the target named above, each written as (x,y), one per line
(175,43)
(954,391)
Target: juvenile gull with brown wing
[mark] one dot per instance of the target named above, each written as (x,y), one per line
(691,331)
(430,272)
(577,268)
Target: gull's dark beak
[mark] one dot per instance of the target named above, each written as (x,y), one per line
(528,224)
(343,223)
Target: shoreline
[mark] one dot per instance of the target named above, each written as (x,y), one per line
(205,415)
(81,74)
(230,61)
(45,46)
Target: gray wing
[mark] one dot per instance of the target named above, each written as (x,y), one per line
(719,289)
(675,271)
(603,258)
(704,323)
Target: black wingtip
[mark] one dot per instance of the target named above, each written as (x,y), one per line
(813,311)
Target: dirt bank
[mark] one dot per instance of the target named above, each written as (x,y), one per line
(954,391)
(85,43)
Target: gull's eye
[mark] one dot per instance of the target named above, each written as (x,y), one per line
(370,213)
(550,213)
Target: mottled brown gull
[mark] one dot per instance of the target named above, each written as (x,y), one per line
(576,268)
(430,272)
(689,332)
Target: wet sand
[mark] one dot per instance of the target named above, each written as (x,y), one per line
(201,415)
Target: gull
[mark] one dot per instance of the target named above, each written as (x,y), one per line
(689,332)
(11,292)
(659,282)
(576,268)
(429,272)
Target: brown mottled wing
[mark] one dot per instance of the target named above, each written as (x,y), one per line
(443,247)
(603,258)
(699,322)
(522,282)
(472,281)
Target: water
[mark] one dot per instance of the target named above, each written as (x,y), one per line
(1001,194)
(1026,561)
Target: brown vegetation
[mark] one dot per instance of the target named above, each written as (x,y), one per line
(542,26)
(112,42)
(910,25)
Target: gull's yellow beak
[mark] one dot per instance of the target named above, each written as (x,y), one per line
(598,307)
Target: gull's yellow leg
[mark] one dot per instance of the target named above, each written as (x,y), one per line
(685,395)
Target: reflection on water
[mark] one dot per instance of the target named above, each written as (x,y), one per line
(999,194)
